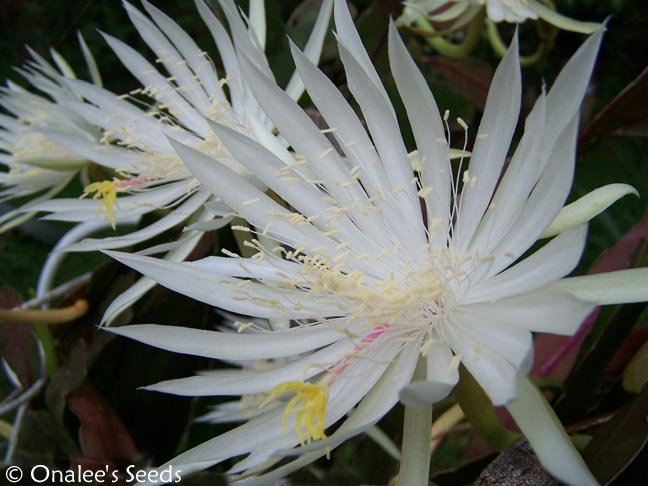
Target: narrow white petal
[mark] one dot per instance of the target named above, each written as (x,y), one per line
(427,126)
(176,216)
(258,21)
(516,184)
(621,287)
(227,345)
(313,49)
(127,298)
(351,39)
(548,310)
(551,262)
(493,140)
(387,138)
(587,207)
(243,382)
(545,434)
(545,201)
(238,193)
(254,299)
(514,343)
(493,372)
(196,60)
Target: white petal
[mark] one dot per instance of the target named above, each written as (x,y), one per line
(197,61)
(547,310)
(545,434)
(239,193)
(493,372)
(313,49)
(551,262)
(427,126)
(223,291)
(587,207)
(440,378)
(493,141)
(149,76)
(175,217)
(227,345)
(381,399)
(516,184)
(243,382)
(387,138)
(566,94)
(127,298)
(621,287)
(351,39)
(258,21)
(514,343)
(545,201)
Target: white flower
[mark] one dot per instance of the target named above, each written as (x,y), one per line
(512,11)
(134,139)
(178,104)
(380,266)
(36,165)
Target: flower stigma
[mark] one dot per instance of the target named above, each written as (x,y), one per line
(107,192)
(308,405)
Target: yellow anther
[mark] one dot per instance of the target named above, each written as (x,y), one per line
(107,192)
(308,405)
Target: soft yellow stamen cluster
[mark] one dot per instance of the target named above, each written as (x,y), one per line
(415,298)
(308,405)
(107,192)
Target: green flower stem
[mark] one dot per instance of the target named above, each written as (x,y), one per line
(415,451)
(449,49)
(546,32)
(479,411)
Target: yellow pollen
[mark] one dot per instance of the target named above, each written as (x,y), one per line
(308,405)
(107,192)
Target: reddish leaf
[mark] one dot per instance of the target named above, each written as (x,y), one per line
(628,108)
(18,344)
(102,435)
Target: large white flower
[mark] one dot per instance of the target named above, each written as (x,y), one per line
(36,165)
(377,266)
(178,103)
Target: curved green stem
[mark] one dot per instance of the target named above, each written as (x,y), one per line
(546,32)
(450,49)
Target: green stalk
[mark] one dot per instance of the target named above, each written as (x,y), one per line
(415,451)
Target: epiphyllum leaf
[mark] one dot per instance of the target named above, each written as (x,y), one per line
(370,283)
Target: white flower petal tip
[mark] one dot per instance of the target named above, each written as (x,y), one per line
(620,287)
(587,207)
(545,434)
(423,393)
